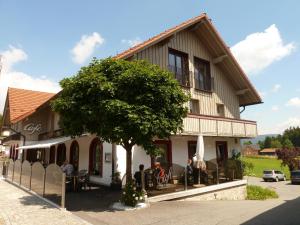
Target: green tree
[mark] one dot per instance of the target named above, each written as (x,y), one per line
(293,133)
(124,102)
(267,142)
(261,144)
(276,144)
(286,143)
(248,142)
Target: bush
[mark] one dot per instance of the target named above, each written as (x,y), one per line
(259,193)
(131,196)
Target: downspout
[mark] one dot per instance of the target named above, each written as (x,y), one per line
(243,109)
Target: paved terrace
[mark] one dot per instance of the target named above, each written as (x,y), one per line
(19,207)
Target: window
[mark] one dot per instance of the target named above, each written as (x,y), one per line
(194,106)
(178,64)
(96,157)
(203,80)
(52,154)
(192,145)
(74,155)
(61,154)
(165,158)
(220,110)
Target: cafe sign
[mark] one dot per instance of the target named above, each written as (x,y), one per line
(32,128)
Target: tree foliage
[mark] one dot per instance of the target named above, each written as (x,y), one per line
(293,134)
(248,142)
(123,102)
(289,157)
(276,144)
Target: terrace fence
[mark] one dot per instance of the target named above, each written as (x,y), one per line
(48,182)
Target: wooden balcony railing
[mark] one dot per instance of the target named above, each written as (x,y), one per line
(218,126)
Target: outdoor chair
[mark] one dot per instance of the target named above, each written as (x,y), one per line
(83,179)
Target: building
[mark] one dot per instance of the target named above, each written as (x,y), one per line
(268,152)
(203,65)
(250,150)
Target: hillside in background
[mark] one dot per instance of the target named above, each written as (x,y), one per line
(258,138)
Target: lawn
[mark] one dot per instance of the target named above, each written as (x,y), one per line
(261,163)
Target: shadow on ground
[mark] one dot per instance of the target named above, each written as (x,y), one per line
(284,214)
(97,199)
(33,200)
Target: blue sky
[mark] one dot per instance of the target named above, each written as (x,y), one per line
(44,41)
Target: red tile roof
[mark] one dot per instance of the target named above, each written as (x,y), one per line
(24,102)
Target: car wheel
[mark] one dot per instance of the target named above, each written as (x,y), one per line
(284,178)
(276,179)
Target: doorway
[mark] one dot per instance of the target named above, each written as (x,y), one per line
(221,152)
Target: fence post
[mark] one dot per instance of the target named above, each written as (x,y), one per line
(185,179)
(63,190)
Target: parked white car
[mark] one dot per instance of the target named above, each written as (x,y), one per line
(273,175)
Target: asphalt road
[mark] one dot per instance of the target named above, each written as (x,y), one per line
(282,211)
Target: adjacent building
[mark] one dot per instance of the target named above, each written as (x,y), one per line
(204,67)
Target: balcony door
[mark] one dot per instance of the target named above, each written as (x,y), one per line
(221,152)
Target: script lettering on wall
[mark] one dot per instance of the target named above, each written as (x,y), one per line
(32,128)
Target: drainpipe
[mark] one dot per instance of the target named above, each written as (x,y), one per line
(243,109)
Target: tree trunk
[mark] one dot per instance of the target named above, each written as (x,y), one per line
(128,164)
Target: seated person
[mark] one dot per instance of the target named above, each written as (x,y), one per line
(158,171)
(67,168)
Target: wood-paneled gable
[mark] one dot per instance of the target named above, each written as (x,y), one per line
(189,42)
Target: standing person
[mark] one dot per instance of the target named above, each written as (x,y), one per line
(138,177)
(190,172)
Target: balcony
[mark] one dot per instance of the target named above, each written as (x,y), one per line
(218,126)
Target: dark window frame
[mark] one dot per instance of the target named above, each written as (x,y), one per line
(184,77)
(208,85)
(92,170)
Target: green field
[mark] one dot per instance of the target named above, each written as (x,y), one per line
(260,164)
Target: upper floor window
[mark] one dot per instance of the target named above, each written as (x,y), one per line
(221,110)
(194,106)
(203,80)
(178,64)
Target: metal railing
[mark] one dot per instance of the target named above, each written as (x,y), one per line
(178,178)
(49,182)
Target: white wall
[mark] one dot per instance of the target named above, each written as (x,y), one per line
(180,151)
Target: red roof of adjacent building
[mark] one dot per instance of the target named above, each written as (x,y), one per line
(24,102)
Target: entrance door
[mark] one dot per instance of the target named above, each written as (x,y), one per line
(192,145)
(165,158)
(222,152)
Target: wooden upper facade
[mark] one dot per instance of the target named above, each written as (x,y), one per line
(205,68)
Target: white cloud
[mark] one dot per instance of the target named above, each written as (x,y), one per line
(132,42)
(280,127)
(9,77)
(11,56)
(276,88)
(294,102)
(259,50)
(86,46)
(275,108)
